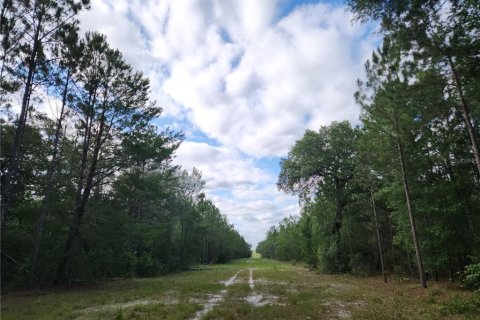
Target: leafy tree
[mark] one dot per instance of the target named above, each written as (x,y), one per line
(322,163)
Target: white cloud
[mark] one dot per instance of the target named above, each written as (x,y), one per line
(245,77)
(241,190)
(258,90)
(221,167)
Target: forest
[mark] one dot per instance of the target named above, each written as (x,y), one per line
(399,193)
(91,192)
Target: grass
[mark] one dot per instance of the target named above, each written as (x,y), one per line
(286,291)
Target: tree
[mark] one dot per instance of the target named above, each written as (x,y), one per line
(442,33)
(69,52)
(322,163)
(40,26)
(308,229)
(115,103)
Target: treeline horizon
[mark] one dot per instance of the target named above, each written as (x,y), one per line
(92,193)
(398,194)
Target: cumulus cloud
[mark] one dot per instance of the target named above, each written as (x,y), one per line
(244,192)
(247,76)
(222,168)
(235,71)
(252,217)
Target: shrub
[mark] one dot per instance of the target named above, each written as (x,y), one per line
(471,277)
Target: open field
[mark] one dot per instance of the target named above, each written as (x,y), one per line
(246,289)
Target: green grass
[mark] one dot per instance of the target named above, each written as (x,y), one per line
(292,292)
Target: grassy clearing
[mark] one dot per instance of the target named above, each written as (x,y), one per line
(281,291)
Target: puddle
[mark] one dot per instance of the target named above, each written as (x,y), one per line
(338,310)
(250,280)
(215,299)
(230,281)
(212,301)
(270,282)
(343,314)
(123,305)
(259,300)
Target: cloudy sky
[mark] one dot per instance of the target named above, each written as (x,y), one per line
(242,79)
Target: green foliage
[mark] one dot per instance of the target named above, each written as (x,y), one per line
(283,242)
(320,168)
(470,277)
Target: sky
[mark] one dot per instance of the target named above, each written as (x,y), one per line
(243,80)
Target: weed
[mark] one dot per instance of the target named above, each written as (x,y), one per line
(459,305)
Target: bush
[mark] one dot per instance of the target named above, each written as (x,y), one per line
(471,277)
(461,306)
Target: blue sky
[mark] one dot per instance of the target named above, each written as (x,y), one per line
(243,80)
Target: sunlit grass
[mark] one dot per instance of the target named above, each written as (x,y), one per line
(292,292)
(256,255)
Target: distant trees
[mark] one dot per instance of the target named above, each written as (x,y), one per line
(92,193)
(283,242)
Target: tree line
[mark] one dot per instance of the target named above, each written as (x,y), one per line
(91,192)
(400,192)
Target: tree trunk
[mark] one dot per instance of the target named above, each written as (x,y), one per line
(337,224)
(461,196)
(86,143)
(51,171)
(350,243)
(466,113)
(65,267)
(380,251)
(183,237)
(413,225)
(205,250)
(393,245)
(410,267)
(336,231)
(15,158)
